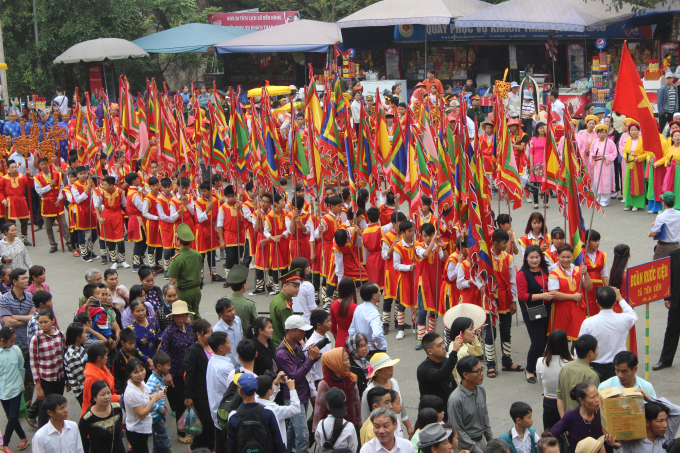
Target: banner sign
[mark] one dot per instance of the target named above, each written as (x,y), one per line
(254,21)
(407,33)
(649,282)
(96,85)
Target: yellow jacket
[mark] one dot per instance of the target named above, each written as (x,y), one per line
(639,154)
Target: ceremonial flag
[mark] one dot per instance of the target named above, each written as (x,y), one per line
(272,147)
(239,136)
(507,176)
(383,144)
(551,159)
(299,164)
(398,159)
(630,99)
(568,190)
(312,103)
(365,166)
(218,157)
(167,145)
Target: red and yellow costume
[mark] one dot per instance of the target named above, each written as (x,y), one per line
(184,216)
(250,231)
(276,221)
(375,265)
(12,188)
(332,224)
(299,241)
(350,262)
(85,216)
(167,228)
(385,214)
(567,315)
(594,270)
(525,241)
(66,191)
(520,156)
(449,296)
(234,231)
(135,219)
(427,275)
(406,281)
(391,276)
(470,295)
(486,149)
(206,234)
(153,231)
(263,253)
(49,198)
(113,229)
(501,267)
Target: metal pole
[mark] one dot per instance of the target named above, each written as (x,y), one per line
(646,341)
(3,73)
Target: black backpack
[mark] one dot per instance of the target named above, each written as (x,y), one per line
(253,435)
(329,444)
(230,401)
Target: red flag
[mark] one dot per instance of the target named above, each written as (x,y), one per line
(631,100)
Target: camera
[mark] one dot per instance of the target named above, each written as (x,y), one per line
(323,343)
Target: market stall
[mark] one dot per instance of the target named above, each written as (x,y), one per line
(279,54)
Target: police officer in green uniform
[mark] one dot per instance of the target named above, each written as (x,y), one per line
(281,306)
(475,112)
(185,270)
(245,308)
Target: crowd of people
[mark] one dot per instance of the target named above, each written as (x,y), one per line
(318,369)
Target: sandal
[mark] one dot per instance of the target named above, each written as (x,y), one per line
(185,440)
(517,368)
(32,423)
(535,206)
(23,445)
(491,372)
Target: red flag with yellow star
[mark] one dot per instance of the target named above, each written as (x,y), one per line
(631,100)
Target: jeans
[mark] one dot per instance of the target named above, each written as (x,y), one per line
(505,321)
(538,330)
(138,441)
(29,387)
(422,313)
(49,388)
(161,438)
(11,408)
(550,413)
(297,433)
(81,236)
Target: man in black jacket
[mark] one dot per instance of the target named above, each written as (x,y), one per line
(435,373)
(670,340)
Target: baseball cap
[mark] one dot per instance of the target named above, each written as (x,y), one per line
(296,322)
(336,400)
(246,382)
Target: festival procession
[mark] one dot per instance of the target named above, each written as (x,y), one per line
(512,243)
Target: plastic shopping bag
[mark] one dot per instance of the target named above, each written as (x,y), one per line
(190,424)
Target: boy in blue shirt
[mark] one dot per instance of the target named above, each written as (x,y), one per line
(156,382)
(521,438)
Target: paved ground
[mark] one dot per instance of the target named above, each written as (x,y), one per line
(65,277)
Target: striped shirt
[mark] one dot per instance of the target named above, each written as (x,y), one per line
(74,365)
(46,356)
(10,305)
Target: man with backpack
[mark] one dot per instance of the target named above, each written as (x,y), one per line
(251,428)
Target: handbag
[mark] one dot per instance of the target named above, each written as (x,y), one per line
(538,312)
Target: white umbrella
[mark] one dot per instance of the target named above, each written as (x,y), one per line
(408,12)
(298,36)
(562,15)
(101,49)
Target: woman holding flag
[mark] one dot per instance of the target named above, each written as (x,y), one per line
(601,159)
(635,157)
(671,160)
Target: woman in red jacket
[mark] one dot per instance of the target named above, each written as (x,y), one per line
(342,311)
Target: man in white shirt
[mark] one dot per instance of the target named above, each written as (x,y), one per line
(217,381)
(356,107)
(666,227)
(557,106)
(610,329)
(385,425)
(512,102)
(230,324)
(59,435)
(321,321)
(263,395)
(366,320)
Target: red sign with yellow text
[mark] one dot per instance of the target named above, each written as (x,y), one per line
(649,282)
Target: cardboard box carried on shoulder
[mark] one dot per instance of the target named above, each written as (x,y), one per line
(623,413)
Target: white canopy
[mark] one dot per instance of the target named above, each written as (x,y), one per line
(298,36)
(101,49)
(562,15)
(407,12)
